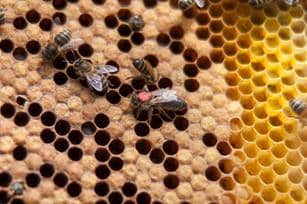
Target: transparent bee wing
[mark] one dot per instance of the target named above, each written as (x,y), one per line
(105,69)
(94,81)
(291,2)
(200,3)
(74,43)
(163,95)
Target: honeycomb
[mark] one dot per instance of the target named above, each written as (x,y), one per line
(236,67)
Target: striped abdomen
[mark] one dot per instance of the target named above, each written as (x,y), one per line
(2,16)
(50,52)
(63,37)
(258,2)
(185,4)
(141,66)
(176,105)
(298,106)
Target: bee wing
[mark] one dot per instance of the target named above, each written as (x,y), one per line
(290,2)
(163,95)
(94,80)
(105,69)
(73,43)
(200,3)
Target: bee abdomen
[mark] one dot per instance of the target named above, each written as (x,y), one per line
(141,66)
(136,23)
(2,16)
(105,84)
(185,4)
(50,52)
(177,105)
(298,106)
(258,2)
(63,37)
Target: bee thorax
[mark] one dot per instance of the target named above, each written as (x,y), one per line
(143,96)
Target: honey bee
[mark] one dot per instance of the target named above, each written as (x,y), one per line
(148,72)
(2,16)
(258,3)
(94,74)
(187,4)
(299,107)
(136,23)
(17,188)
(161,100)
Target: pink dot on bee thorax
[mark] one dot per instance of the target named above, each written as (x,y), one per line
(143,96)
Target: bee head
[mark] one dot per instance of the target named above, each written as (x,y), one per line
(81,65)
(137,62)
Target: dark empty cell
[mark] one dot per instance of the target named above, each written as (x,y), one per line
(33,16)
(143,115)
(102,171)
(60,78)
(86,50)
(115,198)
(75,137)
(61,144)
(152,87)
(165,83)
(101,202)
(176,47)
(156,202)
(74,189)
(102,154)
(35,109)
(113,97)
(202,33)
(203,62)
(141,129)
(116,163)
(191,85)
(129,189)
(4,197)
(209,139)
(171,181)
(98,2)
(138,83)
(60,180)
(226,165)
(16,201)
(143,146)
(191,12)
(124,14)
(71,72)
(124,2)
(86,20)
(59,4)
(217,41)
(45,24)
(59,18)
(153,60)
(20,53)
(111,21)
(124,45)
(124,30)
(163,39)
(217,56)
(6,45)
(19,153)
(215,10)
(125,90)
(59,63)
(48,118)
(223,148)
(176,32)
(170,147)
(116,146)
(5,179)
(7,110)
(102,188)
(156,122)
(171,164)
(20,100)
(137,38)
(216,26)
(88,128)
(75,153)
(33,180)
(101,120)
(143,198)
(47,136)
(62,127)
(20,23)
(202,18)
(33,46)
(46,170)
(150,3)
(102,137)
(21,119)
(114,82)
(212,173)
(181,123)
(190,55)
(156,156)
(190,70)
(73,1)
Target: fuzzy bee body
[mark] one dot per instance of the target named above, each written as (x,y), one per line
(2,16)
(147,71)
(160,100)
(299,107)
(17,188)
(187,4)
(94,74)
(50,52)
(258,3)
(63,37)
(136,23)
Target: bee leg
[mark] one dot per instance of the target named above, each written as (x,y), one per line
(138,112)
(162,111)
(150,115)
